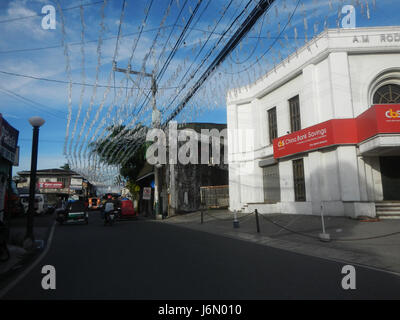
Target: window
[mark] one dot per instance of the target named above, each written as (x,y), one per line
(294,105)
(389,93)
(299,183)
(272,188)
(65,181)
(272,124)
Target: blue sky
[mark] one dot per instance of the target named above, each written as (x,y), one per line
(24,51)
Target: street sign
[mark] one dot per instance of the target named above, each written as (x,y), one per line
(146,193)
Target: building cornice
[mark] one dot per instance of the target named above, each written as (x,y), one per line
(352,41)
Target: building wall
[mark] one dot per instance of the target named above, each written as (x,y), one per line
(365,71)
(333,82)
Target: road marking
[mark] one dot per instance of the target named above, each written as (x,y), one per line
(33,265)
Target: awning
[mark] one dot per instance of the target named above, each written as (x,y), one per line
(267,162)
(146,171)
(381,145)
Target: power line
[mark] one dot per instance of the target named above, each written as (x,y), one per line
(79,43)
(35,105)
(270,47)
(146,31)
(244,28)
(74,83)
(198,54)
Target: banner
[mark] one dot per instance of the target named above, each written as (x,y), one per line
(332,132)
(378,119)
(8,140)
(50,185)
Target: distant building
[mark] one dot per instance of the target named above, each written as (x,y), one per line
(326,125)
(57,183)
(181,183)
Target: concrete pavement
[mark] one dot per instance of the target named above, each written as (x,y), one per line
(374,244)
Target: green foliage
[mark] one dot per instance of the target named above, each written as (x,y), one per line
(121,140)
(65,166)
(133,188)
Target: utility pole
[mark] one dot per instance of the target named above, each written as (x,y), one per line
(156,123)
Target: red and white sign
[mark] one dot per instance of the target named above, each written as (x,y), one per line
(146,193)
(377,119)
(50,185)
(328,133)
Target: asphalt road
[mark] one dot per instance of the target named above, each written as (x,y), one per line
(151,260)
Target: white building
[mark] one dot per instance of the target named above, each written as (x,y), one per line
(326,127)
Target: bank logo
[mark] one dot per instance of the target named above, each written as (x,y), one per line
(281,144)
(392,114)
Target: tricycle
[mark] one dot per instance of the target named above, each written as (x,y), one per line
(75,211)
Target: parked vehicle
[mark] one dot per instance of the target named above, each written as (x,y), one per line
(74,212)
(127,210)
(4,234)
(41,204)
(94,203)
(13,205)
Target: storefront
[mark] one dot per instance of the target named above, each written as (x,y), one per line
(326,127)
(8,157)
(58,184)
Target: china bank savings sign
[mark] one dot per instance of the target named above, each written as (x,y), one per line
(379,119)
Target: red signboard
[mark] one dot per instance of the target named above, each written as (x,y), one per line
(332,132)
(50,185)
(377,119)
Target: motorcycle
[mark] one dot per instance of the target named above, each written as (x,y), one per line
(110,217)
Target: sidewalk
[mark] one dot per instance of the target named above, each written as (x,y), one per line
(19,257)
(373,244)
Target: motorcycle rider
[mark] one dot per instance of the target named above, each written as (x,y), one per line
(108,208)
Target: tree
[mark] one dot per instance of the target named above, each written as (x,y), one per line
(65,166)
(120,141)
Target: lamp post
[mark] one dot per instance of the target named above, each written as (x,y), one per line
(36,123)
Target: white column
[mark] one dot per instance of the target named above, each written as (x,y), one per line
(348,173)
(340,85)
(315,172)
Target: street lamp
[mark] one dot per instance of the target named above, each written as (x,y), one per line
(36,123)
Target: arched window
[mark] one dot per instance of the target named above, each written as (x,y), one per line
(387,94)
